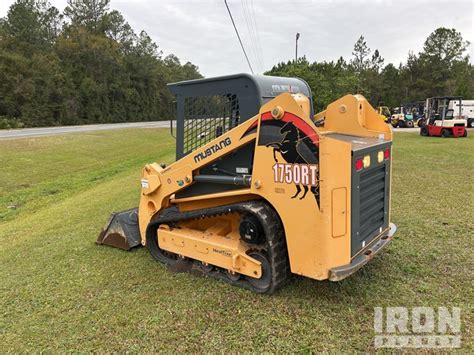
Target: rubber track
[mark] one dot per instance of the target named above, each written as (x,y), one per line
(274,248)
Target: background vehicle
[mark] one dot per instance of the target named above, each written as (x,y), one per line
(416,110)
(441,120)
(467,109)
(262,187)
(384,113)
(401,119)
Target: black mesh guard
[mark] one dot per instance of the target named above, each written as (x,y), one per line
(208,117)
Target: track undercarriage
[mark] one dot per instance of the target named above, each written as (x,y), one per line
(260,236)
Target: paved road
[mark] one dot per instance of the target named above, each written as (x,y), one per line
(417,129)
(406,130)
(49,131)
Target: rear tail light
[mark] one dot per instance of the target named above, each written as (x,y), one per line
(380,156)
(366,161)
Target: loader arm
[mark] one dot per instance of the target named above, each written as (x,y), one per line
(159,184)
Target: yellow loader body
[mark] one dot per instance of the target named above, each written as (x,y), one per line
(313,200)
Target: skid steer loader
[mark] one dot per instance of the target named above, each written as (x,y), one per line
(262,187)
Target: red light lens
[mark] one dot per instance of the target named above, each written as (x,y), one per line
(386,154)
(359,164)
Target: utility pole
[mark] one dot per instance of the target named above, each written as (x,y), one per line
(296,47)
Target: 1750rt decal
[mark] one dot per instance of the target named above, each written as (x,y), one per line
(298,174)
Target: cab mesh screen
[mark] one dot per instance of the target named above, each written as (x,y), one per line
(208,117)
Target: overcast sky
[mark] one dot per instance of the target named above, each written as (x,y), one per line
(201,31)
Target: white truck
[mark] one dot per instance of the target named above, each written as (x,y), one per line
(467,110)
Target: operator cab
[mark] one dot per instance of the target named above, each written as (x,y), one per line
(207,108)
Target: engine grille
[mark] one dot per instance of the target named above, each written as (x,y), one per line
(370,204)
(372,201)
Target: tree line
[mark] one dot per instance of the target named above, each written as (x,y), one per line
(87,65)
(441,68)
(83,65)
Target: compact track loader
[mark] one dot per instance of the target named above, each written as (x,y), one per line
(263,188)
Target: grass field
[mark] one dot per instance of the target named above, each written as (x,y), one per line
(61,292)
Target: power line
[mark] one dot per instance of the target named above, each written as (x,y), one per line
(250,21)
(253,49)
(238,36)
(260,53)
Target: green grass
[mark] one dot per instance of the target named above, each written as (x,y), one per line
(61,292)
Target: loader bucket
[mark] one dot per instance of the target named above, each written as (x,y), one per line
(121,230)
